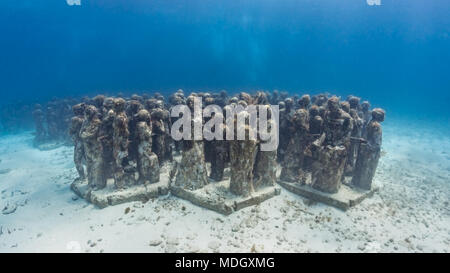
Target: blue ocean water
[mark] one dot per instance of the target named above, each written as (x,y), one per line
(395,54)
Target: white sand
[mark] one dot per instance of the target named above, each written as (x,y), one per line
(410,213)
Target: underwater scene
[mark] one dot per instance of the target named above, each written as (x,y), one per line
(212,126)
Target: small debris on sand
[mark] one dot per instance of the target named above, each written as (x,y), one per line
(155,242)
(9,208)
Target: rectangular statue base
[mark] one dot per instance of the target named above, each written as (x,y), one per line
(216,196)
(345,198)
(109,196)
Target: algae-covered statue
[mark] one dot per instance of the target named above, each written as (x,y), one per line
(332,148)
(369,151)
(265,167)
(74,132)
(132,108)
(242,158)
(120,142)
(147,161)
(192,172)
(293,163)
(106,136)
(93,148)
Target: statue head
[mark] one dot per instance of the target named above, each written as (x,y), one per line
(78,109)
(353,101)
(98,100)
(345,105)
(90,112)
(365,106)
(314,110)
(378,114)
(143,115)
(333,104)
(304,101)
(289,103)
(119,105)
(301,119)
(108,104)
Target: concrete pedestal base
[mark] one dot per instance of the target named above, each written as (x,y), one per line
(216,196)
(109,196)
(344,199)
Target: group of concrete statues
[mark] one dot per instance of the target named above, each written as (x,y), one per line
(322,140)
(250,167)
(115,138)
(330,140)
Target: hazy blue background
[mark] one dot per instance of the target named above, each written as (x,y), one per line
(397,54)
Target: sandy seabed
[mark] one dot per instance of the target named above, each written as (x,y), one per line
(410,213)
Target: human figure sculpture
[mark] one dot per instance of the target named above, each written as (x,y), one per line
(330,150)
(106,135)
(191,171)
(74,132)
(293,163)
(159,134)
(222,98)
(220,152)
(165,121)
(120,142)
(354,143)
(320,99)
(219,159)
(366,114)
(147,161)
(93,148)
(39,120)
(132,108)
(260,98)
(275,97)
(265,169)
(208,144)
(285,125)
(337,124)
(246,97)
(315,121)
(315,131)
(52,117)
(242,159)
(369,152)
